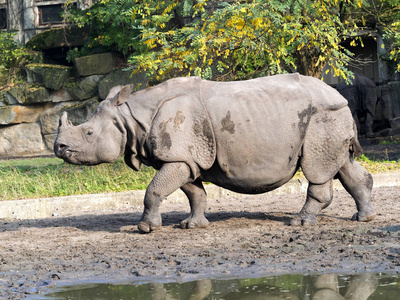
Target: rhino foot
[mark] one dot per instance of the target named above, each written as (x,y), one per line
(147,227)
(192,222)
(364,217)
(304,220)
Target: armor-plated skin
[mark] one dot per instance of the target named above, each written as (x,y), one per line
(246,136)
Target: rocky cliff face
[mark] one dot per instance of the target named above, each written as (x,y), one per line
(30,111)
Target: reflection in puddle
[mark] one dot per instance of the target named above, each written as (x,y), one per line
(290,287)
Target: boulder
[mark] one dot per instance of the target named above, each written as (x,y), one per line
(78,112)
(27,94)
(121,77)
(60,95)
(69,36)
(96,64)
(51,76)
(21,140)
(85,88)
(16,114)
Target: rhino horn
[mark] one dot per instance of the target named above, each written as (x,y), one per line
(64,122)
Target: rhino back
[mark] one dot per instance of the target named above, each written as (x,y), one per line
(323,96)
(259,127)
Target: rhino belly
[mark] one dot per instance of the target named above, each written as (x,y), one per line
(247,180)
(258,139)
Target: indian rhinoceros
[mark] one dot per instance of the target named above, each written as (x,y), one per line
(246,136)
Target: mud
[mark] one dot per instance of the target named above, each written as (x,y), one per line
(248,236)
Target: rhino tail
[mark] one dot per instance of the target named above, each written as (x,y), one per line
(355,146)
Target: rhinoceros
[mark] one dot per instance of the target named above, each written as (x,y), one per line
(246,136)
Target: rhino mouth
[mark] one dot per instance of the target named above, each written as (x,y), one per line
(67,154)
(63,151)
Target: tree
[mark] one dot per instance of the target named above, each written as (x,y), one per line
(244,39)
(384,16)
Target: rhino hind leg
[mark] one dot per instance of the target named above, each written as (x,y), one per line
(358,183)
(319,196)
(171,177)
(198,202)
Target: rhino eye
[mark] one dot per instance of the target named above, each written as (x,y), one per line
(89,132)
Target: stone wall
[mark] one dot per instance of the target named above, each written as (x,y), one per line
(30,111)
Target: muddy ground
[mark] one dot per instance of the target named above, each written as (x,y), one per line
(248,236)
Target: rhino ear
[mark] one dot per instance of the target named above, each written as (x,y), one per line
(122,96)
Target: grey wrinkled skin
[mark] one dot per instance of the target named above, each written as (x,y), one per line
(246,136)
(362,96)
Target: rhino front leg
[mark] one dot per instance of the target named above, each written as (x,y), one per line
(171,177)
(198,202)
(319,196)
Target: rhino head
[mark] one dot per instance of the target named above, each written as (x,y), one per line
(102,139)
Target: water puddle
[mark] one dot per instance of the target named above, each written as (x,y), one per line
(291,287)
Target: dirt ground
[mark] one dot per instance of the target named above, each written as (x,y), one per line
(248,236)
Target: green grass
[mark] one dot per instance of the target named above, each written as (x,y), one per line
(51,177)
(390,142)
(378,166)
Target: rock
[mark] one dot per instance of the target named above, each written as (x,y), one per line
(60,95)
(82,111)
(395,122)
(51,76)
(78,112)
(96,64)
(21,140)
(120,77)
(49,140)
(16,114)
(27,94)
(85,88)
(71,36)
